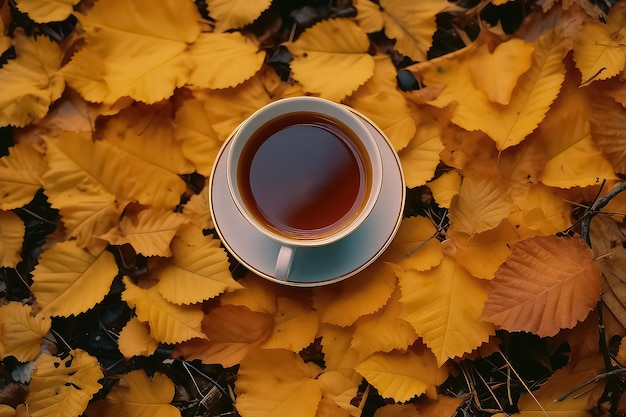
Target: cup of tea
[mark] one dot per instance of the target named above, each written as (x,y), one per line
(305,172)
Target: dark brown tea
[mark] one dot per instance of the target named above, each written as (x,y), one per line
(304,175)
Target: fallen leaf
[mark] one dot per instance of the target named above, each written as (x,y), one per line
(235,14)
(295,325)
(169,323)
(445,187)
(415,245)
(256,293)
(331,59)
(530,287)
(11,238)
(20,176)
(368,15)
(69,280)
(420,157)
(364,293)
(403,375)
(136,395)
(275,382)
(198,271)
(543,211)
(212,52)
(135,340)
(339,388)
(608,124)
(21,331)
(443,305)
(197,209)
(30,82)
(337,347)
(43,11)
(63,386)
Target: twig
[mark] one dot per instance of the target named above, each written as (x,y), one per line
(593,380)
(523,383)
(596,207)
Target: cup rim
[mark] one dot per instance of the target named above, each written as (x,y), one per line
(299,104)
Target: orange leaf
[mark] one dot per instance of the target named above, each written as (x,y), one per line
(232,332)
(445,188)
(276,383)
(608,127)
(421,156)
(21,332)
(11,238)
(63,387)
(364,293)
(258,294)
(136,395)
(548,283)
(295,325)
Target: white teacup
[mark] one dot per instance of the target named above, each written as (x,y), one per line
(304,172)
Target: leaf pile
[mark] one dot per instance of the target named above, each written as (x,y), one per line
(118,297)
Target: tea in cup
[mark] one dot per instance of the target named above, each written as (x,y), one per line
(305,172)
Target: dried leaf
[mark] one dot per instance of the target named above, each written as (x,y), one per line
(197,209)
(43,11)
(412,25)
(331,59)
(136,395)
(135,340)
(445,188)
(608,126)
(212,52)
(230,14)
(11,238)
(21,331)
(548,283)
(198,270)
(339,388)
(403,375)
(138,53)
(256,293)
(383,331)
(443,305)
(31,82)
(543,211)
(169,323)
(482,203)
(421,156)
(20,176)
(275,382)
(69,280)
(232,332)
(368,15)
(364,293)
(295,325)
(415,245)
(63,387)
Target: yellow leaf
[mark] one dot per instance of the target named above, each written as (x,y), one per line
(380,100)
(20,176)
(135,339)
(43,11)
(368,15)
(560,382)
(412,25)
(331,59)
(197,209)
(11,238)
(5,410)
(275,383)
(546,284)
(31,82)
(21,331)
(69,280)
(87,215)
(212,52)
(482,203)
(445,187)
(535,91)
(415,245)
(63,387)
(403,375)
(443,305)
(198,270)
(599,47)
(337,347)
(258,294)
(339,388)
(364,293)
(483,253)
(383,331)
(232,331)
(229,14)
(572,157)
(543,210)
(295,325)
(139,53)
(136,395)
(169,323)
(78,164)
(496,73)
(150,231)
(421,156)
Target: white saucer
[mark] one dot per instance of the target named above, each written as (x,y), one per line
(317,265)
